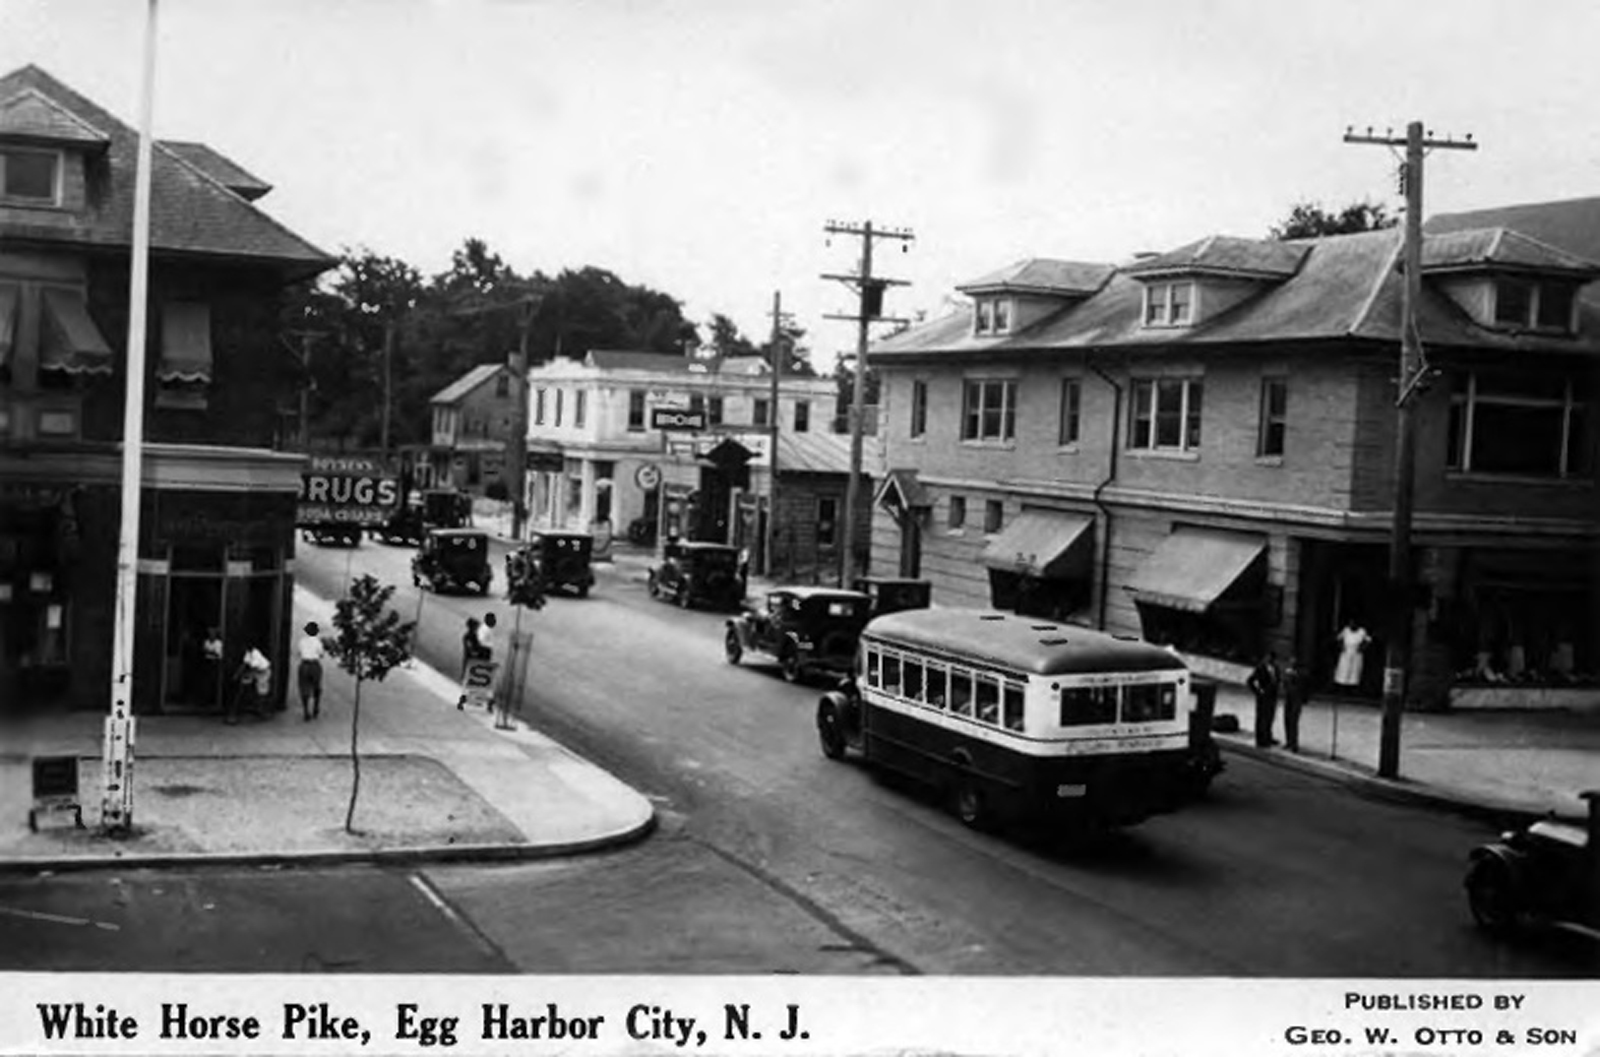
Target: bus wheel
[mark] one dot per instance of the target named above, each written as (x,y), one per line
(830,732)
(731,647)
(969,804)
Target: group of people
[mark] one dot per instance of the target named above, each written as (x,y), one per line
(477,644)
(252,690)
(1269,680)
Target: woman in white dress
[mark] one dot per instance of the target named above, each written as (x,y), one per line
(1352,639)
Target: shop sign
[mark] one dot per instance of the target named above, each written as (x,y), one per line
(647,476)
(346,490)
(677,420)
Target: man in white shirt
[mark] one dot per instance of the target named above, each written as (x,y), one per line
(486,642)
(309,675)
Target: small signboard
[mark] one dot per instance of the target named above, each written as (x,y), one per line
(677,420)
(477,683)
(346,490)
(55,788)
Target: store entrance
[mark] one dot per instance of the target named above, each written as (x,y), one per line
(192,677)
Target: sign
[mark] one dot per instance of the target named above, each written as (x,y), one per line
(647,476)
(677,419)
(345,490)
(477,683)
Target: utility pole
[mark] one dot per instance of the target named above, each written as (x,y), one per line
(517,442)
(1414,372)
(306,337)
(388,385)
(780,352)
(869,291)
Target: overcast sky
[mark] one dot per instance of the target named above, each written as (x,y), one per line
(699,146)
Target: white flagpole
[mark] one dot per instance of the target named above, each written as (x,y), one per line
(116,804)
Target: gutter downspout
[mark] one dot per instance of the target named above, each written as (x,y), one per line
(1111,476)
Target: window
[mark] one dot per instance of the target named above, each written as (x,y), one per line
(891,674)
(937,689)
(714,411)
(1013,706)
(697,404)
(1274,417)
(912,672)
(58,422)
(636,410)
(983,317)
(1519,425)
(1002,317)
(919,408)
(993,516)
(1085,706)
(1149,702)
(580,407)
(874,666)
(987,699)
(559,393)
(502,384)
(1071,421)
(1524,303)
(958,511)
(760,411)
(29,176)
(538,407)
(802,416)
(960,692)
(827,519)
(1169,304)
(989,410)
(1166,415)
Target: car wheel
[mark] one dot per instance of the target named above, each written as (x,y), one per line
(1492,897)
(684,601)
(732,647)
(969,804)
(583,591)
(789,664)
(416,581)
(653,586)
(830,731)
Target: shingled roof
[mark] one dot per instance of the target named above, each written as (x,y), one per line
(1044,276)
(1226,255)
(466,383)
(191,211)
(224,170)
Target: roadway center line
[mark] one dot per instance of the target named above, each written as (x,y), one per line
(59,919)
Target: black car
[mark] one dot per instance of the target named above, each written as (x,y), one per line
(807,629)
(453,560)
(562,561)
(891,594)
(431,509)
(694,573)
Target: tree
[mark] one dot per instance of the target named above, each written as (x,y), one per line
(726,341)
(371,641)
(796,353)
(1309,220)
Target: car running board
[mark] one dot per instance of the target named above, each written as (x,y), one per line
(1574,927)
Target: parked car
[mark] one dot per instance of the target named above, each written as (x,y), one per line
(562,560)
(1542,874)
(690,573)
(807,629)
(891,594)
(434,508)
(453,560)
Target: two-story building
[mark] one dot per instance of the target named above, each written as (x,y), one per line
(598,456)
(1199,447)
(472,421)
(216,542)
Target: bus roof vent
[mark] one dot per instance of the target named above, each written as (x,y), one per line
(992,616)
(1057,641)
(1043,627)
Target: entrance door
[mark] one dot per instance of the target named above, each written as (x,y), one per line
(191,681)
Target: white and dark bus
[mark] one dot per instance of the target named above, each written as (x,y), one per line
(1015,716)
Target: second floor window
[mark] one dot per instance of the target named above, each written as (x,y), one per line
(989,410)
(802,416)
(1169,304)
(1071,411)
(580,407)
(538,406)
(1519,425)
(1527,304)
(29,176)
(502,385)
(919,408)
(1166,415)
(760,410)
(559,393)
(636,410)
(1274,417)
(714,411)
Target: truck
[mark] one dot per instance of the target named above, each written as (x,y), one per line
(343,495)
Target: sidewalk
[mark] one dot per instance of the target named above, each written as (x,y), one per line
(436,783)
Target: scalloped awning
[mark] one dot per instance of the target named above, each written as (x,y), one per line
(185,342)
(70,341)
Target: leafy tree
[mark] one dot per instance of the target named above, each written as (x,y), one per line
(726,340)
(1310,220)
(796,354)
(371,641)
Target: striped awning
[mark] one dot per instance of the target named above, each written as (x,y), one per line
(70,341)
(185,342)
(1048,544)
(1192,567)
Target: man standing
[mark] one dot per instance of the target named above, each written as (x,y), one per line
(309,674)
(1294,697)
(1263,683)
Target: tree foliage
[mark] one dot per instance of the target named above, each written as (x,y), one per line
(370,641)
(1309,220)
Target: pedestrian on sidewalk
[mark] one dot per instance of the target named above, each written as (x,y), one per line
(486,644)
(254,685)
(1263,683)
(469,653)
(1295,684)
(309,675)
(1352,640)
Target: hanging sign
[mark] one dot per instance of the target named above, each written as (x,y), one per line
(346,490)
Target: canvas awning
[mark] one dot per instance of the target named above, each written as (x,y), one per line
(185,342)
(8,321)
(70,341)
(1194,566)
(1048,544)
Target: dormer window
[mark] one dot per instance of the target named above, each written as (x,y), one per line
(30,177)
(1526,304)
(992,316)
(1169,304)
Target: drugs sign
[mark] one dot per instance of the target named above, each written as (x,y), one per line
(346,490)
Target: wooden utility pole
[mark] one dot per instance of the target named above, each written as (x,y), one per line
(869,290)
(517,442)
(388,386)
(1414,370)
(779,352)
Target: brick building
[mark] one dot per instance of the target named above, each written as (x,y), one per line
(1198,447)
(217,528)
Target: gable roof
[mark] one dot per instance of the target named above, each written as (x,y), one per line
(466,383)
(220,168)
(29,115)
(191,212)
(1043,276)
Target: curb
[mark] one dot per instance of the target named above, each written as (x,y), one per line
(1503,815)
(421,854)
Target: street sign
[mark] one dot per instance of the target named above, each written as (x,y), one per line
(677,419)
(477,684)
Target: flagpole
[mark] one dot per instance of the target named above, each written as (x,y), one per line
(116,804)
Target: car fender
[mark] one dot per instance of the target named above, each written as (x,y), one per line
(1512,859)
(740,626)
(845,707)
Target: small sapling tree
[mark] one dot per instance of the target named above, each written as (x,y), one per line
(370,642)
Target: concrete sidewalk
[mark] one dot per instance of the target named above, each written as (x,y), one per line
(437,783)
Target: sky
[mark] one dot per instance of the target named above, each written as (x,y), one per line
(699,147)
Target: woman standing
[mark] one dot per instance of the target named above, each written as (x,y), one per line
(309,674)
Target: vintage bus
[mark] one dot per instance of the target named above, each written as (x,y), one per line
(1015,716)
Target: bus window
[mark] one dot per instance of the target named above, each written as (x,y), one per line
(1013,706)
(936,687)
(988,699)
(1082,706)
(873,657)
(912,671)
(1149,702)
(960,692)
(891,673)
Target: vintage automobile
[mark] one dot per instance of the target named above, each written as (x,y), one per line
(1546,873)
(891,594)
(453,560)
(808,629)
(434,508)
(562,561)
(691,573)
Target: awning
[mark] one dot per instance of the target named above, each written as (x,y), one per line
(71,342)
(1193,567)
(185,342)
(901,491)
(1048,544)
(8,320)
